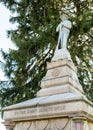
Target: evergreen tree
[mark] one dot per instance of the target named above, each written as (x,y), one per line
(36,38)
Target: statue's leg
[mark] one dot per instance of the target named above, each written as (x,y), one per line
(65,37)
(58,42)
(61,39)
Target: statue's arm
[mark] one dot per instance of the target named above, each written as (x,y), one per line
(58,27)
(67,25)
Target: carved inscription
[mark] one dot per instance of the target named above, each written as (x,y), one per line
(59,108)
(20,112)
(45,109)
(31,111)
(25,112)
(39,111)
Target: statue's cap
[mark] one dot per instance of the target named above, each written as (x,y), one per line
(63,17)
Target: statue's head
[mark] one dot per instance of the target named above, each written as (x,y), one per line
(63,17)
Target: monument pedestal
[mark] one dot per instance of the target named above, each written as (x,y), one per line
(59,105)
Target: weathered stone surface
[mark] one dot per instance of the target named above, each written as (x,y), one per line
(60,72)
(60,104)
(65,123)
(60,78)
(51,124)
(61,54)
(58,90)
(50,107)
(9,124)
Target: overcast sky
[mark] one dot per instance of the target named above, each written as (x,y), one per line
(5,43)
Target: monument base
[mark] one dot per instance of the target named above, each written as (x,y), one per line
(58,112)
(60,104)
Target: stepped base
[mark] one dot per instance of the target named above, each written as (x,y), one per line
(61,76)
(70,110)
(62,89)
(60,104)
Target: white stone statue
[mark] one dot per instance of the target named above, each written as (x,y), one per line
(63,28)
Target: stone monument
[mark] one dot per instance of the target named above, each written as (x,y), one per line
(59,105)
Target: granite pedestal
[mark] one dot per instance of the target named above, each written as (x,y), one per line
(59,105)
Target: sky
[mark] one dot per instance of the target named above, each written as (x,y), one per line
(5,43)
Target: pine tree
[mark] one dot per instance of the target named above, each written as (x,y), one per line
(36,39)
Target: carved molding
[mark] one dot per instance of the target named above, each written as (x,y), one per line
(9,125)
(23,126)
(55,72)
(42,125)
(62,123)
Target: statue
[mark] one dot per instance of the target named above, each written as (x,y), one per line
(64,29)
